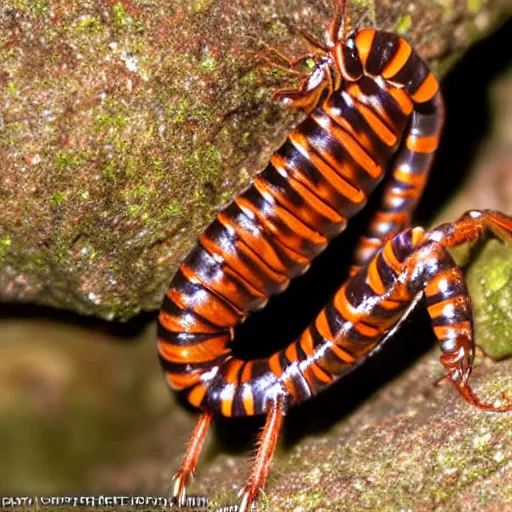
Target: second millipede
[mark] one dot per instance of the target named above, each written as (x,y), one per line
(374,113)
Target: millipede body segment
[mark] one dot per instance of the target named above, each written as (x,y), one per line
(374,113)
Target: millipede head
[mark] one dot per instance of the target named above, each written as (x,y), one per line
(325,61)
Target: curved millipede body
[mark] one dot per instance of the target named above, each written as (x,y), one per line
(374,112)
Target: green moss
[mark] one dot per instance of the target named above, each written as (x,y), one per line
(277,30)
(186,111)
(249,78)
(225,196)
(404,24)
(39,7)
(173,209)
(474,6)
(209,64)
(490,281)
(198,195)
(206,162)
(5,241)
(57,199)
(88,23)
(109,120)
(133,209)
(310,63)
(70,158)
(139,25)
(136,192)
(157,163)
(120,16)
(110,171)
(5,244)
(134,165)
(14,128)
(200,5)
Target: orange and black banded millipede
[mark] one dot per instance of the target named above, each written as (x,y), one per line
(374,112)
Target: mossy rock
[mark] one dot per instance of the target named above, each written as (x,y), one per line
(491,286)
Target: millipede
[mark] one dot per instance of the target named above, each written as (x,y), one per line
(374,113)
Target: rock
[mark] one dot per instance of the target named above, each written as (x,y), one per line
(124,126)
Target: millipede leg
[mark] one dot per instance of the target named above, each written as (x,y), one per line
(189,462)
(266,447)
(286,64)
(339,22)
(291,63)
(472,226)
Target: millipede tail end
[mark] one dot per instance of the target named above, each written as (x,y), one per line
(448,301)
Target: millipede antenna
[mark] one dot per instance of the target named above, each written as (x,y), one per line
(338,25)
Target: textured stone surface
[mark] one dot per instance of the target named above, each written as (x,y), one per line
(125,125)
